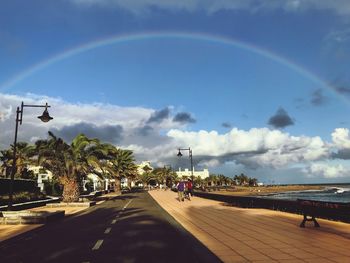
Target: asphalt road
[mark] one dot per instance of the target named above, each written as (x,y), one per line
(129,228)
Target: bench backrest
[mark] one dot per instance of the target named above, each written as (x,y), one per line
(334,210)
(322,204)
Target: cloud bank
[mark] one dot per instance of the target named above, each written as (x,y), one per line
(156,134)
(257,147)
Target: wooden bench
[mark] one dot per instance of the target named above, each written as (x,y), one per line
(322,209)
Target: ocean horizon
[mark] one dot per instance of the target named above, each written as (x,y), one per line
(331,193)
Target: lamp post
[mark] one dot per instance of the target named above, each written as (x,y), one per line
(179,154)
(45,117)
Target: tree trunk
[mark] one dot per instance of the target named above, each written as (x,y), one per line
(129,182)
(117,185)
(70,189)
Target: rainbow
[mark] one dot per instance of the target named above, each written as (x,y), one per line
(165,35)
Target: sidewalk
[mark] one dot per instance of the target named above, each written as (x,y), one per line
(257,235)
(8,231)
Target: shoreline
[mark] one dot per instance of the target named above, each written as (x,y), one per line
(268,190)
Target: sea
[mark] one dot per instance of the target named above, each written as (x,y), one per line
(331,193)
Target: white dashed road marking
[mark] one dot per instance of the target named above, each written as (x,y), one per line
(125,206)
(98,244)
(108,230)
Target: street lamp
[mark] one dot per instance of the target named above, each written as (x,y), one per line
(179,154)
(45,117)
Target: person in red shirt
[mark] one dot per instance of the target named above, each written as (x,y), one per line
(189,187)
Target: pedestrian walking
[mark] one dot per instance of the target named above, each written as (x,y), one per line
(180,190)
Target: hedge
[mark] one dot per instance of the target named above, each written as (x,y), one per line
(19,185)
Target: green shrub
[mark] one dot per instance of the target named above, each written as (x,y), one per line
(53,188)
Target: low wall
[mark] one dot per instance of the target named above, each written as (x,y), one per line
(74,204)
(29,217)
(28,205)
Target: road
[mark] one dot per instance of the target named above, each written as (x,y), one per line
(129,228)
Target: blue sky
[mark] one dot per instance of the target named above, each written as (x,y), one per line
(259,87)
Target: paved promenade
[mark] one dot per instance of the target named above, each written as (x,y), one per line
(257,235)
(245,235)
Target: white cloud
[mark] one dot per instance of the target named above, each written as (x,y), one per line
(65,113)
(341,138)
(326,171)
(340,7)
(260,147)
(5,112)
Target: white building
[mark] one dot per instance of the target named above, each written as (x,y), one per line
(98,183)
(187,173)
(124,182)
(41,174)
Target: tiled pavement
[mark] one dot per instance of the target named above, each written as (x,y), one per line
(257,235)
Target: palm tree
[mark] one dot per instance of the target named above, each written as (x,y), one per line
(211,180)
(161,174)
(165,175)
(230,181)
(121,164)
(147,169)
(69,163)
(172,177)
(6,159)
(24,157)
(241,179)
(100,160)
(198,181)
(252,181)
(131,173)
(221,179)
(55,155)
(144,178)
(87,154)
